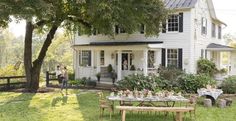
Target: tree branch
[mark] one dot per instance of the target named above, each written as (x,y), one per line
(46,45)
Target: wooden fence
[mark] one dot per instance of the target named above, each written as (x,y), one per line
(50,77)
(11,82)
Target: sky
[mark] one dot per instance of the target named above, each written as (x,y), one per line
(225,11)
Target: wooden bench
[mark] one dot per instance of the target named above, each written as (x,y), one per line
(179,110)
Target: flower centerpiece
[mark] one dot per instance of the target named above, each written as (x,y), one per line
(149,94)
(120,93)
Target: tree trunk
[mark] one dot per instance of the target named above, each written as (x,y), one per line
(32,70)
(28,53)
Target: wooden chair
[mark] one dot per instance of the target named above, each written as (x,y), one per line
(104,104)
(192,103)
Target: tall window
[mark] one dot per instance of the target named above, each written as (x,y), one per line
(219,32)
(172,57)
(204,26)
(151,59)
(142,29)
(119,29)
(173,23)
(213,30)
(102,58)
(85,58)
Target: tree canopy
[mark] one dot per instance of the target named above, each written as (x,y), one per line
(87,14)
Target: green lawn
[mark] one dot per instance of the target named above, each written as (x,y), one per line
(83,106)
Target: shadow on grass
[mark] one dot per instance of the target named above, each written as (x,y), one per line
(88,105)
(59,100)
(18,109)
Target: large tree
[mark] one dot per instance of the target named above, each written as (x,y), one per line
(83,15)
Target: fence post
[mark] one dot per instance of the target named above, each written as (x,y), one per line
(47,78)
(8,83)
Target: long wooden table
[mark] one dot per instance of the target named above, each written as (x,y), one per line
(178,110)
(150,100)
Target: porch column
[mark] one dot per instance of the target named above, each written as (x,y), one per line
(119,65)
(92,58)
(218,63)
(145,62)
(98,61)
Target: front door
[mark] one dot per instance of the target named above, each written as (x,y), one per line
(125,61)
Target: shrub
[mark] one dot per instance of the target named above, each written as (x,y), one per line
(11,71)
(229,85)
(71,76)
(138,82)
(109,68)
(190,83)
(170,73)
(205,66)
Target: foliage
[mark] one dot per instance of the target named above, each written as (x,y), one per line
(138,82)
(170,74)
(71,76)
(229,85)
(98,75)
(109,68)
(190,83)
(132,68)
(10,71)
(205,66)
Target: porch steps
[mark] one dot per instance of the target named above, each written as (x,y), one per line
(104,72)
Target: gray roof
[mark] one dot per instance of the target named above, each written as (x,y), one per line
(175,4)
(121,43)
(214,46)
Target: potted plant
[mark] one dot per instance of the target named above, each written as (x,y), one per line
(98,75)
(132,68)
(109,68)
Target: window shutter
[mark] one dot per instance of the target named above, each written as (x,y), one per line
(89,59)
(163,27)
(180,58)
(181,20)
(163,57)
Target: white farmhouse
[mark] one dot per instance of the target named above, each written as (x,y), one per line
(191,32)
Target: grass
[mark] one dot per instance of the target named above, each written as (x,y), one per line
(83,106)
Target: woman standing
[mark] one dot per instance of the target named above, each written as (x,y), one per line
(65,78)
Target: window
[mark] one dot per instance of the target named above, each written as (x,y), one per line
(172,57)
(151,59)
(102,59)
(219,32)
(204,26)
(85,57)
(213,30)
(119,29)
(142,29)
(173,23)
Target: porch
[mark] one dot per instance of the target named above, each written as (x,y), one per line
(223,56)
(143,58)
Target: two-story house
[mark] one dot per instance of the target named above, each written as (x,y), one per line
(191,32)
